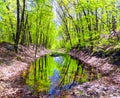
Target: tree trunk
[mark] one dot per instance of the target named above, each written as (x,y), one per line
(22,25)
(18,27)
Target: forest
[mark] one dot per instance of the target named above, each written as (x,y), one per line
(59,49)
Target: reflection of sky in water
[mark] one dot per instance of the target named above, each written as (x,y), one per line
(59,60)
(54,83)
(53,74)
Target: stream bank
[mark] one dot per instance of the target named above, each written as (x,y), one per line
(108,86)
(12,65)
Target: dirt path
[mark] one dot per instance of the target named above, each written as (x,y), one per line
(11,67)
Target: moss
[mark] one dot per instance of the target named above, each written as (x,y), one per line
(109,51)
(1,61)
(114,54)
(19,58)
(80,92)
(98,52)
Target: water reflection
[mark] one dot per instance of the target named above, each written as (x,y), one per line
(59,60)
(50,74)
(54,80)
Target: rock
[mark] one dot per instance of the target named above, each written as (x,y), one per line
(9,47)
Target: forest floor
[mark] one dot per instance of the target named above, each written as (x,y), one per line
(107,86)
(12,65)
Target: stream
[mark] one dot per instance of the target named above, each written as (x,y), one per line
(51,74)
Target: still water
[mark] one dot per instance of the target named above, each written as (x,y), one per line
(52,73)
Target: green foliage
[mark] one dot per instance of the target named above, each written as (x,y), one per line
(41,71)
(65,24)
(86,20)
(39,23)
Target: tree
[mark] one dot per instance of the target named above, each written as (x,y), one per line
(20,23)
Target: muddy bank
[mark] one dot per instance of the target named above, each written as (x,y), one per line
(108,86)
(99,64)
(11,67)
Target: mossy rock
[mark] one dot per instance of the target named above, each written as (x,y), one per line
(115,61)
(117,48)
(99,53)
(112,49)
(109,51)
(114,54)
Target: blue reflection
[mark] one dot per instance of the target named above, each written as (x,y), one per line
(54,83)
(59,60)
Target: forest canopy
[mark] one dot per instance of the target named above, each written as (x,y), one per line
(59,23)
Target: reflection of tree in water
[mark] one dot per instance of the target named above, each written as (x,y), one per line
(77,71)
(40,72)
(65,71)
(70,72)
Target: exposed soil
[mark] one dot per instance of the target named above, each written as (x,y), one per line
(108,86)
(12,65)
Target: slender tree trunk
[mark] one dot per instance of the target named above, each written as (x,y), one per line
(22,25)
(96,20)
(37,30)
(18,27)
(113,23)
(89,28)
(47,38)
